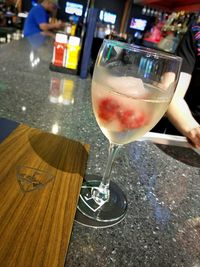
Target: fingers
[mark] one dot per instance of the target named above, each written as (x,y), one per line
(194,137)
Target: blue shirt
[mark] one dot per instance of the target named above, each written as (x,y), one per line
(36,16)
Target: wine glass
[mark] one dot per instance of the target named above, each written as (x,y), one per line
(132,87)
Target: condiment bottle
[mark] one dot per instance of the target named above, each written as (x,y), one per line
(60,50)
(73,49)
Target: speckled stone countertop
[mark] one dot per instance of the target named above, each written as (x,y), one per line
(162,225)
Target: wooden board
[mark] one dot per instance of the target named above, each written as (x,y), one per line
(40,180)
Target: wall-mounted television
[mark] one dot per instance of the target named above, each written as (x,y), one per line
(74,8)
(107,17)
(138,24)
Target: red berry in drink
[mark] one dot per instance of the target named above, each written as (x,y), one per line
(108,108)
(132,119)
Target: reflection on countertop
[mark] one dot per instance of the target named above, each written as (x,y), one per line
(185,155)
(61,91)
(162,223)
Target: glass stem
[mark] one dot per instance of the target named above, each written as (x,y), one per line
(102,194)
(113,149)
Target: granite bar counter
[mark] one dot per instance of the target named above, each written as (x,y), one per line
(162,225)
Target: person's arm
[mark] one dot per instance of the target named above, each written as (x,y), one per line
(51,26)
(42,19)
(178,112)
(180,115)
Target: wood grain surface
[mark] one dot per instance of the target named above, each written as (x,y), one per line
(35,225)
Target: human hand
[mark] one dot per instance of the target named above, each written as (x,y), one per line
(59,25)
(194,136)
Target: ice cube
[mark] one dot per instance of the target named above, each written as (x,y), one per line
(129,86)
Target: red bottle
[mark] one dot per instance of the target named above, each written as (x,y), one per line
(60,49)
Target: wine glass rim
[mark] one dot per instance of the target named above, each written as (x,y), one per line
(137,48)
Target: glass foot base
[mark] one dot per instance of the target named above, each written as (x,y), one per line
(86,221)
(101,214)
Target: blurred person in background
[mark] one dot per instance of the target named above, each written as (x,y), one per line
(184,110)
(38,18)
